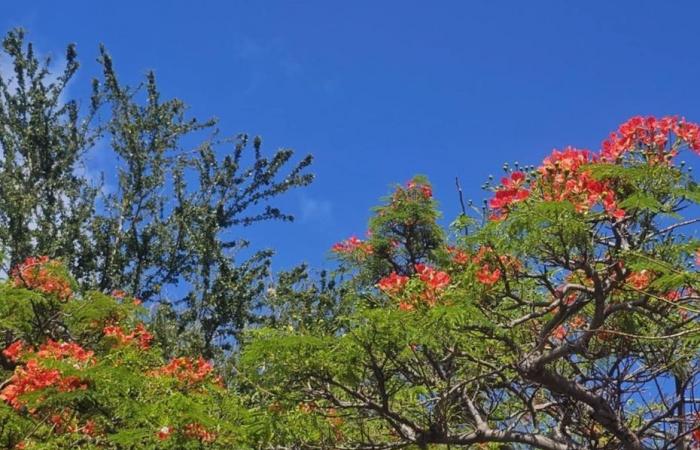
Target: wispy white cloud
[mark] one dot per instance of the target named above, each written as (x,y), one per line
(6,71)
(98,167)
(55,69)
(92,166)
(247,48)
(291,67)
(266,62)
(315,210)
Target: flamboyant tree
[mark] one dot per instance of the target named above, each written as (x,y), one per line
(566,318)
(81,371)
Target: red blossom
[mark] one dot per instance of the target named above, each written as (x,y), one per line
(186,370)
(487,276)
(696,432)
(559,333)
(352,246)
(89,428)
(654,135)
(29,378)
(435,279)
(673,296)
(33,376)
(39,273)
(164,433)
(563,179)
(458,256)
(198,431)
(639,280)
(511,191)
(121,295)
(425,189)
(140,334)
(13,351)
(62,350)
(393,283)
(577,322)
(406,306)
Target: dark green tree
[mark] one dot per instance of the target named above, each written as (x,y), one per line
(45,205)
(166,231)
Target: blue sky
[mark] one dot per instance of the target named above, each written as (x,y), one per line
(379,91)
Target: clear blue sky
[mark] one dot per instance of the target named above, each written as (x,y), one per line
(379,91)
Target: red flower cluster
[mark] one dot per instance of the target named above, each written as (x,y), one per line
(164,433)
(425,189)
(192,430)
(679,295)
(639,280)
(14,350)
(654,134)
(511,191)
(393,283)
(198,431)
(434,279)
(487,273)
(352,246)
(33,376)
(560,332)
(487,276)
(186,370)
(696,431)
(458,256)
(64,350)
(139,334)
(40,274)
(121,295)
(562,178)
(26,379)
(65,423)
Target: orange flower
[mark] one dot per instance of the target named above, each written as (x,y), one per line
(639,280)
(13,351)
(351,246)
(559,333)
(89,428)
(435,279)
(164,433)
(40,274)
(186,370)
(393,283)
(487,276)
(140,334)
(62,350)
(458,256)
(511,191)
(198,431)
